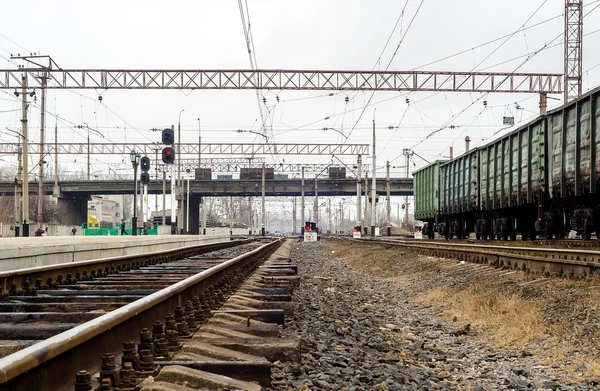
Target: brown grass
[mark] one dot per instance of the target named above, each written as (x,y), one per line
(506,318)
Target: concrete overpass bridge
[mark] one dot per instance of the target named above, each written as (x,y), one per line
(75,194)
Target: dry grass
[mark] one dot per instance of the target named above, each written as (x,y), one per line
(556,320)
(505,317)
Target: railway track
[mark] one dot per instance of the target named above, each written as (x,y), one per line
(564,243)
(548,261)
(68,329)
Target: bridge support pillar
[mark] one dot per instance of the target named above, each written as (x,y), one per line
(194,227)
(73,209)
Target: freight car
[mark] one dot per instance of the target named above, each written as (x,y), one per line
(542,179)
(427,198)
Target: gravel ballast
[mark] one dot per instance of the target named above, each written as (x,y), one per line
(361,332)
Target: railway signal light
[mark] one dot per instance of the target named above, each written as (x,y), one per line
(168,136)
(357,229)
(307,226)
(145,178)
(168,155)
(145,164)
(313,227)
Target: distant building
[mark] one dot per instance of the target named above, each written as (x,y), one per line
(107,208)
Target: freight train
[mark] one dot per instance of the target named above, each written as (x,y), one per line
(540,180)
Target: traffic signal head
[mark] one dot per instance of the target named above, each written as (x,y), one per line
(168,136)
(145,178)
(307,226)
(145,163)
(168,155)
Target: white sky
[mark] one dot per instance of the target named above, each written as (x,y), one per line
(310,34)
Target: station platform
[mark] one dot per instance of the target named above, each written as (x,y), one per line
(20,253)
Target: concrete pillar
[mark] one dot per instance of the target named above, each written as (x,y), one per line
(73,210)
(194,214)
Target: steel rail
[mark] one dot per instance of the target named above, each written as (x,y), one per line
(548,261)
(21,278)
(48,364)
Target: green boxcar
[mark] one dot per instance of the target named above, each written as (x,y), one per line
(511,171)
(574,168)
(427,194)
(459,184)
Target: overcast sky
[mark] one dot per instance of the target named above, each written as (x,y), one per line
(310,34)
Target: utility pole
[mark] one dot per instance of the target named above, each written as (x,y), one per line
(40,214)
(316,206)
(250,219)
(179,187)
(329,227)
(294,216)
(25,186)
(388,206)
(407,154)
(89,162)
(156,177)
(358,191)
(164,198)
(302,206)
(173,225)
(341,215)
(203,210)
(18,189)
(373,187)
(56,190)
(263,228)
(366,200)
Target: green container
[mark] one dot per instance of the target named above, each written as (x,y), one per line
(511,168)
(574,147)
(458,186)
(426,191)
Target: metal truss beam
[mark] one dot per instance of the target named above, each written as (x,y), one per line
(243,79)
(282,167)
(194,149)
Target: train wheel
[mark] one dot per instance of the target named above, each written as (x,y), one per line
(587,235)
(562,226)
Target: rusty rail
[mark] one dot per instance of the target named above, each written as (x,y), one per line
(548,261)
(24,279)
(49,365)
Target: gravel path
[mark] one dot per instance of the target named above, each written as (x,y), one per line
(365,333)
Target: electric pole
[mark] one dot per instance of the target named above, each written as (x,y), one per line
(40,212)
(373,187)
(25,186)
(263,228)
(407,154)
(388,206)
(302,206)
(358,191)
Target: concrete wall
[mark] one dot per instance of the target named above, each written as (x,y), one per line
(20,253)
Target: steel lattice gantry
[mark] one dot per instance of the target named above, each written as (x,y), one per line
(194,149)
(334,80)
(573,45)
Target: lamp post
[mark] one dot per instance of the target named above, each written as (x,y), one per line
(135,160)
(179,186)
(187,207)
